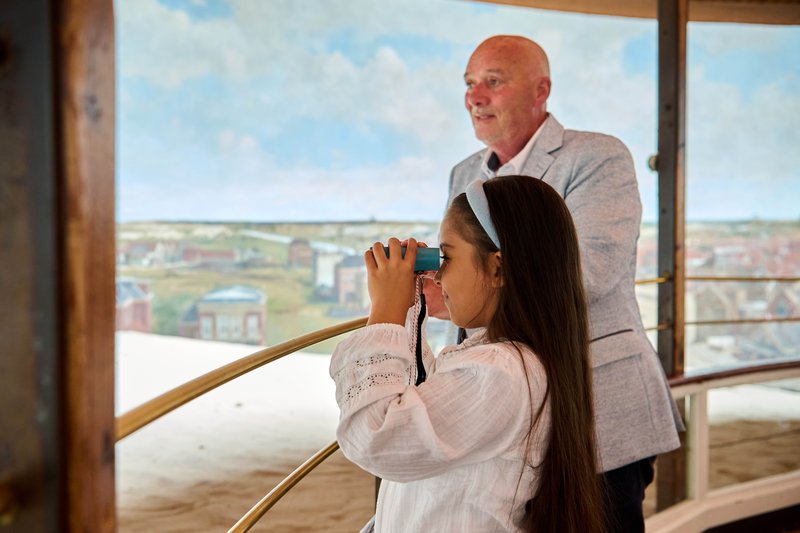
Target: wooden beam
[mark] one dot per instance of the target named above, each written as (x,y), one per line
(85,102)
(783,12)
(671,165)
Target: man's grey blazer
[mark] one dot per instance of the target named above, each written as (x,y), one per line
(635,414)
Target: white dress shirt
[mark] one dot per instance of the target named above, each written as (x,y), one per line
(514,165)
(449,451)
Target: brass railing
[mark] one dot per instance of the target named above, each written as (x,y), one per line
(258,510)
(721,322)
(780,279)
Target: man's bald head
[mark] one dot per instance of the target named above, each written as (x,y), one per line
(524,50)
(508,83)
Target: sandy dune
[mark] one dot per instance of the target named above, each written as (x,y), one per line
(203,466)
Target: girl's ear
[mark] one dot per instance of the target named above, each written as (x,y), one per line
(496,270)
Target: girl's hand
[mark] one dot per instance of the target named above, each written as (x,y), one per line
(434,299)
(391,281)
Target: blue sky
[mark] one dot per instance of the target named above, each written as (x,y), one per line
(352,109)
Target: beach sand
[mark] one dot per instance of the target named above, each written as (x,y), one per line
(203,466)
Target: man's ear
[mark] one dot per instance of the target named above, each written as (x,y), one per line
(543,89)
(496,269)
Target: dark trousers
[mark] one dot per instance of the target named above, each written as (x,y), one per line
(624,489)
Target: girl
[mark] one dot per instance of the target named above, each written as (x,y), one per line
(500,436)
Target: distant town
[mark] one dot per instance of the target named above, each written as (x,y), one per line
(265,283)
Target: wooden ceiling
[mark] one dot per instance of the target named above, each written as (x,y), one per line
(744,11)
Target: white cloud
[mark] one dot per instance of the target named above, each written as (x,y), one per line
(253,188)
(237,144)
(276,39)
(167,47)
(733,135)
(718,39)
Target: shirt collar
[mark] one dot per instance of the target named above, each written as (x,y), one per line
(514,166)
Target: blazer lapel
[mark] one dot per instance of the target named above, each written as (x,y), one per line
(551,139)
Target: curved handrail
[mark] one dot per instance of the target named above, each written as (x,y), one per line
(686,384)
(157,407)
(265,504)
(728,372)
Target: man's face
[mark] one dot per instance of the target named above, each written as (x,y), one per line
(504,97)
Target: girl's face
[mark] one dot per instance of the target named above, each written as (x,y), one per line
(470,291)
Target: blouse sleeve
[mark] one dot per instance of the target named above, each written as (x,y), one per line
(473,407)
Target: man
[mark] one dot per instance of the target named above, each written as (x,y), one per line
(508,83)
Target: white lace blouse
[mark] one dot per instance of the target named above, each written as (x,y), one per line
(449,451)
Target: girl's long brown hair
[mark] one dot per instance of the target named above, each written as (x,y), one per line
(542,305)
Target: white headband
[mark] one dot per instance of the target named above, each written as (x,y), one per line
(476,197)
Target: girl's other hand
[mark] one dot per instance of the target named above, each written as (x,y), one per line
(434,299)
(391,281)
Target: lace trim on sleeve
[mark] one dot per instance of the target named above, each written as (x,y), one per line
(380,378)
(367,375)
(372,360)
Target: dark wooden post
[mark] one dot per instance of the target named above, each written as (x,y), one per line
(86,111)
(672,19)
(31,470)
(671,164)
(57,252)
